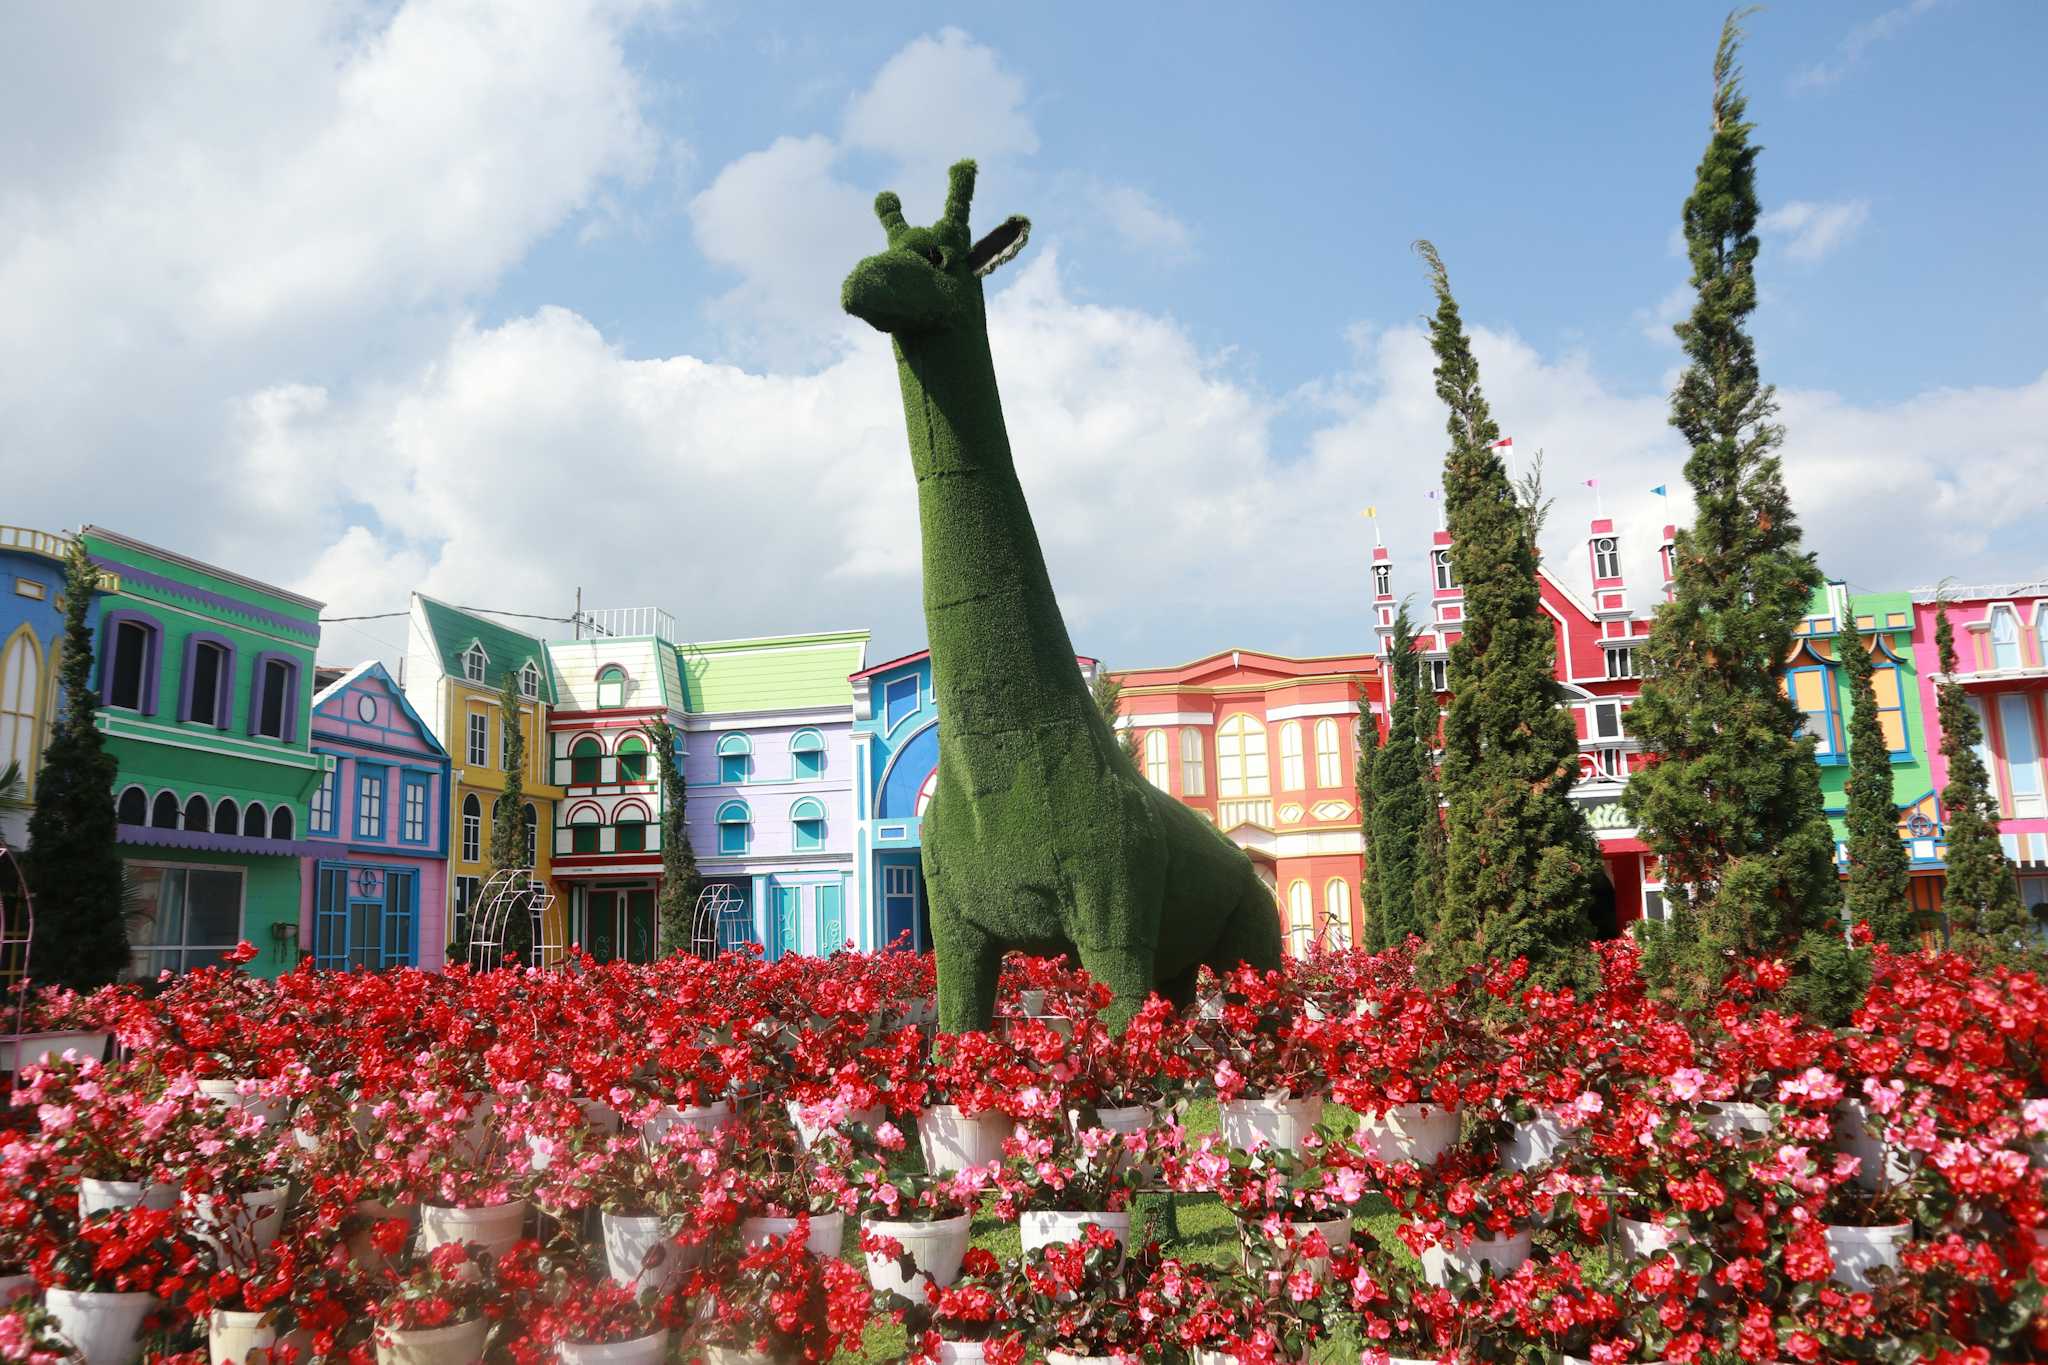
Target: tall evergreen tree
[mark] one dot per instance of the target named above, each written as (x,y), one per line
(1982,895)
(1519,859)
(1877,893)
(680,880)
(1368,743)
(73,863)
(1109,700)
(1732,804)
(508,817)
(1402,800)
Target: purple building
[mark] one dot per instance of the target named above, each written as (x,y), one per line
(377,893)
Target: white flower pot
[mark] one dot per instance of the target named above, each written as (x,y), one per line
(1503,1255)
(629,1238)
(1533,1142)
(238,1238)
(1883,1163)
(475,1137)
(826,1237)
(934,1249)
(1337,1232)
(460,1344)
(1642,1239)
(1042,1229)
(705,1118)
(40,1049)
(1202,1357)
(106,1328)
(1248,1124)
(230,1093)
(238,1338)
(1731,1118)
(494,1227)
(97,1196)
(1859,1251)
(732,1355)
(361,1250)
(648,1350)
(808,1132)
(1065,1358)
(1409,1132)
(1031,1003)
(961,1352)
(16,1286)
(952,1140)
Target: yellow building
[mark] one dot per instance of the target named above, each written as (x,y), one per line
(455,668)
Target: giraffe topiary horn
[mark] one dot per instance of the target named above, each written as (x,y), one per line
(959,191)
(889,209)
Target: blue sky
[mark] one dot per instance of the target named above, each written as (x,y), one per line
(500,302)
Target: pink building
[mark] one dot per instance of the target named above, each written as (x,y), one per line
(377,893)
(2001,635)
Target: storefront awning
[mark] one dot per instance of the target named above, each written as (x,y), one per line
(198,841)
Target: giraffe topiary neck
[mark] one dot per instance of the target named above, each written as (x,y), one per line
(1002,661)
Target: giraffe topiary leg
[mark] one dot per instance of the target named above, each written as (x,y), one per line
(1251,932)
(968,961)
(1128,974)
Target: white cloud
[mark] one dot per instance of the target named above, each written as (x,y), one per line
(1145,224)
(1812,231)
(940,95)
(1656,322)
(1858,42)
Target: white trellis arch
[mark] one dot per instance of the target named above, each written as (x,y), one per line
(510,891)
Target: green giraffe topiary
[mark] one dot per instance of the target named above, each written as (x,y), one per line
(1041,836)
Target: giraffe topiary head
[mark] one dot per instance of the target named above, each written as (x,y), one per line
(929,279)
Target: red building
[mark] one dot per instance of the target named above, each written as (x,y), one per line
(1266,747)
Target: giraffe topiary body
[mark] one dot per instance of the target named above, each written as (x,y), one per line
(1041,834)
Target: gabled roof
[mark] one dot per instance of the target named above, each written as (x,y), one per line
(371,668)
(454,630)
(772,674)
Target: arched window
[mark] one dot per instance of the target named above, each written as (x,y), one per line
(133,807)
(133,646)
(21,683)
(735,828)
(1292,776)
(585,822)
(198,813)
(1157,766)
(926,792)
(633,759)
(531,818)
(735,758)
(1337,913)
(807,821)
(1193,781)
(281,823)
(208,682)
(2005,638)
(1329,755)
(611,686)
(253,821)
(227,816)
(586,761)
(1301,919)
(472,829)
(163,812)
(1606,562)
(475,662)
(529,680)
(807,756)
(274,698)
(1241,758)
(1440,565)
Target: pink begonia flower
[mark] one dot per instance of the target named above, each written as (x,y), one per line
(2035,1113)
(56,1118)
(1686,1082)
(1301,1286)
(1350,1182)
(1588,1104)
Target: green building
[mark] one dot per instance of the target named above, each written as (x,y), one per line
(206,685)
(1884,621)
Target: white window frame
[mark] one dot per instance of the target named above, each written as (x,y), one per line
(479,739)
(1241,770)
(1158,767)
(1440,570)
(1337,912)
(320,811)
(1607,706)
(1193,777)
(2032,801)
(472,830)
(1439,674)
(1329,755)
(369,804)
(2007,641)
(1293,771)
(141,869)
(476,663)
(529,681)
(1383,580)
(1301,918)
(1606,558)
(1623,654)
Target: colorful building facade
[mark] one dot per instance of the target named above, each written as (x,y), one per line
(768,763)
(376,895)
(206,686)
(1265,746)
(895,767)
(31,634)
(455,667)
(607,836)
(2001,635)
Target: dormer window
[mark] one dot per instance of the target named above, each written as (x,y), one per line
(611,686)
(1606,562)
(474,663)
(529,681)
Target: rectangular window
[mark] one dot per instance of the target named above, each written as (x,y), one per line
(203,704)
(369,804)
(1293,772)
(583,838)
(1605,720)
(131,661)
(810,835)
(808,765)
(186,917)
(732,768)
(2022,754)
(479,739)
(466,889)
(1439,675)
(1812,691)
(632,764)
(414,830)
(321,813)
(273,705)
(1329,756)
(732,838)
(630,836)
(1891,711)
(472,832)
(1621,661)
(1192,778)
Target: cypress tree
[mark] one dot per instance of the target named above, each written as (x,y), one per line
(680,881)
(1519,860)
(1877,893)
(1368,743)
(73,863)
(508,817)
(1109,700)
(1982,895)
(1402,800)
(1732,803)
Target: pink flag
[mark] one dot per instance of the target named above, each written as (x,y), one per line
(1502,444)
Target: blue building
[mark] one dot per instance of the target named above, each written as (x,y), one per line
(31,623)
(895,765)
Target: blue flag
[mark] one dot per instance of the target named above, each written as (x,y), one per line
(1658,490)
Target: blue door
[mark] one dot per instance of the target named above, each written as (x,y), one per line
(899,907)
(785,932)
(831,921)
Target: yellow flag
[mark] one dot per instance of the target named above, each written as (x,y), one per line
(1372,511)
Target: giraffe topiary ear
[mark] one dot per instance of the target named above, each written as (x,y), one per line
(1000,246)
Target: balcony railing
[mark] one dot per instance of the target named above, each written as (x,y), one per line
(1256,811)
(34,541)
(626,621)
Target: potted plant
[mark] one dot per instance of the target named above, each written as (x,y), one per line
(1057,1183)
(777,1303)
(123,1275)
(914,1225)
(971,1320)
(1408,1068)
(434,1307)
(234,1174)
(1402,1317)
(1293,1205)
(1472,1223)
(1269,1061)
(1083,1302)
(112,1126)
(598,1322)
(961,1118)
(660,1204)
(28,1333)
(787,1191)
(470,1184)
(285,1296)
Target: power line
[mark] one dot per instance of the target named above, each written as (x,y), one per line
(483,611)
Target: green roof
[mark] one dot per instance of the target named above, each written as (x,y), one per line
(455,630)
(773,674)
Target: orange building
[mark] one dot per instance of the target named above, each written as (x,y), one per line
(1266,747)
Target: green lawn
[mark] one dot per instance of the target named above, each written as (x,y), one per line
(1207,1232)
